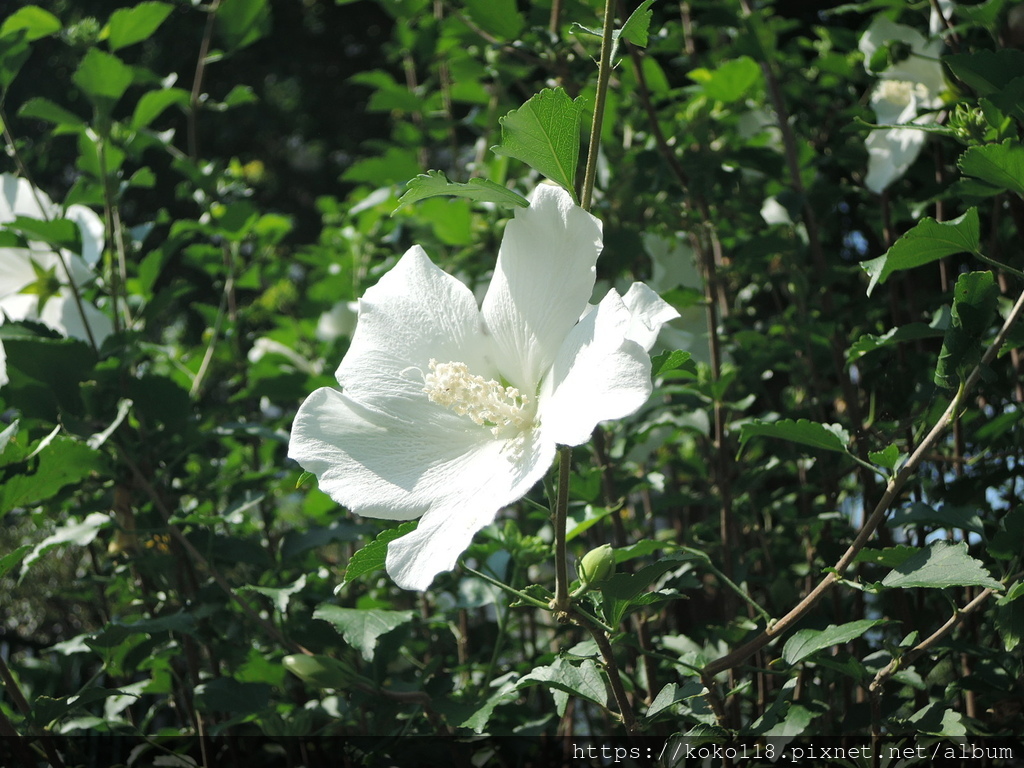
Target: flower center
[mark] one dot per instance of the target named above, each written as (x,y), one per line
(900,91)
(487,402)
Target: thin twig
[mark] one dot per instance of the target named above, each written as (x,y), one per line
(876,518)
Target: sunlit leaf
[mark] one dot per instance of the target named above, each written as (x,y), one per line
(434,183)
(939,565)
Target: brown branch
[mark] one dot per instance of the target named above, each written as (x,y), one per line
(892,490)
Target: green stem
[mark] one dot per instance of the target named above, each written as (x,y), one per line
(604,73)
(561,602)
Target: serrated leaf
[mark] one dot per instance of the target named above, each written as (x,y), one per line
(584,680)
(940,565)
(887,457)
(636,28)
(280,596)
(668,361)
(975,296)
(103,77)
(928,241)
(59,463)
(128,26)
(672,693)
(890,557)
(544,133)
(1001,165)
(372,556)
(362,628)
(435,183)
(829,437)
(807,642)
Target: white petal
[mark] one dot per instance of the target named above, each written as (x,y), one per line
(890,153)
(599,374)
(15,270)
(649,312)
(91,227)
(62,313)
(477,494)
(542,283)
(3,365)
(379,465)
(416,313)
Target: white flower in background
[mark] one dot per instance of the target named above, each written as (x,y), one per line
(449,411)
(339,320)
(674,265)
(23,267)
(904,91)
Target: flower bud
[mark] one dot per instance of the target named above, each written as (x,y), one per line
(597,565)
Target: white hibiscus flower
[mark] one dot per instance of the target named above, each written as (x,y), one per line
(904,91)
(21,267)
(449,411)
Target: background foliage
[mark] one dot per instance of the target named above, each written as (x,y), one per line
(166,579)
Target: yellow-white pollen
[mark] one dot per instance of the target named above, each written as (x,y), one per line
(485,401)
(900,91)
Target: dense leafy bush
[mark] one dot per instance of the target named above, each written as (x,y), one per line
(808,537)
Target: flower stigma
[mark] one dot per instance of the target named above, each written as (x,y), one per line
(487,402)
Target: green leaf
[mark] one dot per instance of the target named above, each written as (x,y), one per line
(44,109)
(946,516)
(887,457)
(672,693)
(890,557)
(60,233)
(11,559)
(371,557)
(1001,165)
(77,532)
(103,77)
(807,642)
(544,133)
(975,296)
(829,437)
(625,590)
(434,183)
(635,30)
(279,595)
(928,241)
(870,342)
(1010,620)
(730,81)
(985,71)
(940,565)
(32,21)
(499,17)
(242,22)
(128,26)
(361,628)
(668,361)
(584,680)
(59,462)
(154,103)
(323,671)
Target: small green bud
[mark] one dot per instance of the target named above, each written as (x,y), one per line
(597,565)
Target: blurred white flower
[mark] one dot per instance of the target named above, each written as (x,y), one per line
(449,411)
(674,265)
(905,90)
(22,267)
(339,320)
